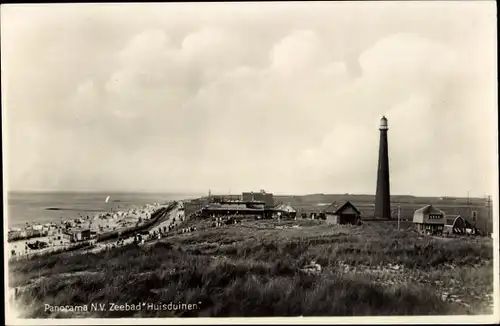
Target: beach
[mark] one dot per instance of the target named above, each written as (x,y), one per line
(92,214)
(48,207)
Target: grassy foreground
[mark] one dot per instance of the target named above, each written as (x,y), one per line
(252,269)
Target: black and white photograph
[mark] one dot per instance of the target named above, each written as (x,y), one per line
(291,162)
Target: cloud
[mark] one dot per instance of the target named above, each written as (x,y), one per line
(283,99)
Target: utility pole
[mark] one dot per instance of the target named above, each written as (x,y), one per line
(399,214)
(468,204)
(488,205)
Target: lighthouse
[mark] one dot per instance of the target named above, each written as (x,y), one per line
(383,194)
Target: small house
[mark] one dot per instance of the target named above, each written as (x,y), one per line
(14,235)
(346,213)
(32,233)
(80,234)
(456,224)
(286,211)
(37,227)
(429,220)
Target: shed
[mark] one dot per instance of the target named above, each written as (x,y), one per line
(347,213)
(80,234)
(37,227)
(286,210)
(479,218)
(454,224)
(457,224)
(14,235)
(429,219)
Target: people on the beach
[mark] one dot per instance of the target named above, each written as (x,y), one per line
(100,222)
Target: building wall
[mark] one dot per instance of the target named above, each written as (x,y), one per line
(14,235)
(347,218)
(349,210)
(331,219)
(269,199)
(85,234)
(33,233)
(426,218)
(210,213)
(434,219)
(193,206)
(259,196)
(424,227)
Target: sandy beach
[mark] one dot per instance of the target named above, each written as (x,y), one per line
(58,235)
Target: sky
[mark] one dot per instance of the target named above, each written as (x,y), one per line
(285,97)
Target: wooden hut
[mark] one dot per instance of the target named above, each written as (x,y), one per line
(457,224)
(285,211)
(429,220)
(454,224)
(80,234)
(347,213)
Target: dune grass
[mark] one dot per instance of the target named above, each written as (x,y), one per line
(253,270)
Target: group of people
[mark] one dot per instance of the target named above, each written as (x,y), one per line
(188,230)
(141,238)
(220,221)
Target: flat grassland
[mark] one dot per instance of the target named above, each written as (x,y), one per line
(407,204)
(253,269)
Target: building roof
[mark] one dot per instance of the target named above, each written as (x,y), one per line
(331,208)
(450,219)
(231,207)
(344,206)
(79,230)
(421,215)
(429,209)
(285,208)
(469,222)
(242,202)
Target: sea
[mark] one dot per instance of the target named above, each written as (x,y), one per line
(46,207)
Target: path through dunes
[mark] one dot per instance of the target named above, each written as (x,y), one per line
(164,219)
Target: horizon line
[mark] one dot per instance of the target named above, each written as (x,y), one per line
(218,194)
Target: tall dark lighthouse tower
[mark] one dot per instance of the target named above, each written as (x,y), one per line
(383,194)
